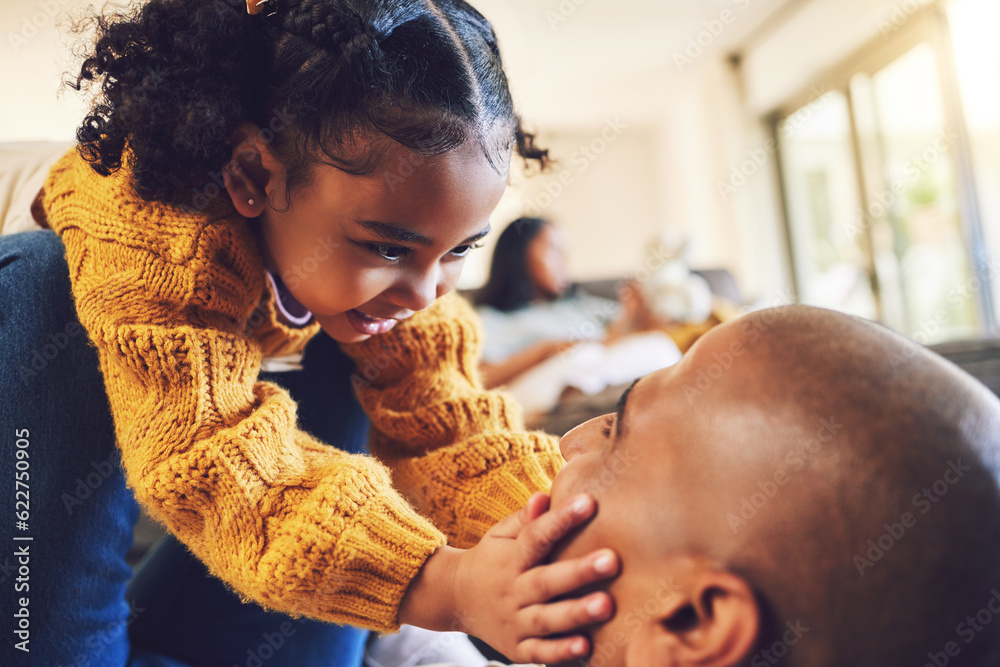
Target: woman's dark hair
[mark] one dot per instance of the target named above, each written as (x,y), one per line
(176,77)
(509,286)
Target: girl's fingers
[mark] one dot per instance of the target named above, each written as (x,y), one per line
(550,651)
(538,504)
(541,535)
(545,582)
(542,620)
(512,526)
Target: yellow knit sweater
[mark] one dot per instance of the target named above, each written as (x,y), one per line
(167,296)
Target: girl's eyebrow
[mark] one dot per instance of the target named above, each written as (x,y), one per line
(390,232)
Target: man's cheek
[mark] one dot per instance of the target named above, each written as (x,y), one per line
(609,648)
(570,482)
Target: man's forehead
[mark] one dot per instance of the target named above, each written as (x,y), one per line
(649,393)
(680,401)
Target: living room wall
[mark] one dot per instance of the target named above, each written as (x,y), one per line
(639,150)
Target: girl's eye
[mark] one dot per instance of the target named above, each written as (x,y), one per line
(390,253)
(463,250)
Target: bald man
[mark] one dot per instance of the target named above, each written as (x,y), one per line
(792,493)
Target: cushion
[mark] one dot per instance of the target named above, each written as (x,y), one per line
(23,167)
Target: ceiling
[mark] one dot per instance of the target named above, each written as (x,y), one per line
(575,62)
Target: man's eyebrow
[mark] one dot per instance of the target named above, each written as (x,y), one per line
(622,403)
(397,234)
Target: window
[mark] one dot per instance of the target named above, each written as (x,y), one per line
(882,191)
(822,201)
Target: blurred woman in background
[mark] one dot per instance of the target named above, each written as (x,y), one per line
(530,309)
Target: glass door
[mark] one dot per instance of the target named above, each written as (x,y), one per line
(911,198)
(821,192)
(880,199)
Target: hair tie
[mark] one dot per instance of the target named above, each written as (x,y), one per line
(255,7)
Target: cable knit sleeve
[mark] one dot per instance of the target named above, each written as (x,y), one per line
(458,452)
(287,521)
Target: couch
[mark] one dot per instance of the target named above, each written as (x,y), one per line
(23,167)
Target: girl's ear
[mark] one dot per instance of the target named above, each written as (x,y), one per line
(250,171)
(713,623)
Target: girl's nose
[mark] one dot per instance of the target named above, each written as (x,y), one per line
(418,291)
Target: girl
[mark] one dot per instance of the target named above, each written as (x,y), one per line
(253,172)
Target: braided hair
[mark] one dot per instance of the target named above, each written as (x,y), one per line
(174,78)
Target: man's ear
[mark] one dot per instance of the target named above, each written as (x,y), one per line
(249,171)
(712,622)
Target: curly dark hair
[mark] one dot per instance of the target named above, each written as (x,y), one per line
(176,77)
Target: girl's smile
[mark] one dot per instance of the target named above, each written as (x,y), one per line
(370,326)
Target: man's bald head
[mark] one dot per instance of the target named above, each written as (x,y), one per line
(890,515)
(846,474)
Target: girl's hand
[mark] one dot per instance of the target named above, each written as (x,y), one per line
(507,597)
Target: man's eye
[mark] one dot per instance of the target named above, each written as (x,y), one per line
(606,427)
(390,253)
(463,250)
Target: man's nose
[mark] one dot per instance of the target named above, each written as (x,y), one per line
(581,439)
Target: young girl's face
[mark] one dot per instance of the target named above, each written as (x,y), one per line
(364,252)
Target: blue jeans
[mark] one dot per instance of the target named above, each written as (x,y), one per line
(66,516)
